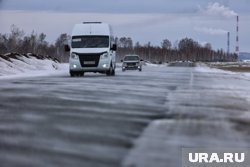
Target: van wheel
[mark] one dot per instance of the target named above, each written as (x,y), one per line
(113,72)
(81,74)
(110,71)
(72,74)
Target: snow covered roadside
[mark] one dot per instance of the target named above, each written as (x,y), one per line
(201,67)
(16,65)
(206,69)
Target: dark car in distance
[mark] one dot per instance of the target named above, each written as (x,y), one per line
(131,62)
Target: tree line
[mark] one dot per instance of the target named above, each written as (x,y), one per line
(186,49)
(19,42)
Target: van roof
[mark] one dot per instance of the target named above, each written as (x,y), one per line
(91,29)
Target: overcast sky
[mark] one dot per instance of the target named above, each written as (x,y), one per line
(143,20)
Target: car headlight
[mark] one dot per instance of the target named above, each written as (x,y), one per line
(104,56)
(74,56)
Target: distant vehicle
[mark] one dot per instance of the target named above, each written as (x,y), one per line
(131,62)
(92,49)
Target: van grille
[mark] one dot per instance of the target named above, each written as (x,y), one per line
(89,60)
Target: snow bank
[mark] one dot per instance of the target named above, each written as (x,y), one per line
(206,69)
(149,64)
(231,64)
(14,65)
(203,68)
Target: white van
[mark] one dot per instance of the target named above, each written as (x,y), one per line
(92,49)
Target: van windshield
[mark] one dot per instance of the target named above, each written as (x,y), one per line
(90,42)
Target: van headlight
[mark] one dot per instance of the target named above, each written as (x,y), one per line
(74,56)
(104,56)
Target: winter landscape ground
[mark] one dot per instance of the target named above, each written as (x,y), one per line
(135,119)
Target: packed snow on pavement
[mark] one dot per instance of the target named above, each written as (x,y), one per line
(139,119)
(210,109)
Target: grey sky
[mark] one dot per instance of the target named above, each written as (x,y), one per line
(143,20)
(122,6)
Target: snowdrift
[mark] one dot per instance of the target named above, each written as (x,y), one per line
(27,64)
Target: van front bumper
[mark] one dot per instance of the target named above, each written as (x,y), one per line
(75,65)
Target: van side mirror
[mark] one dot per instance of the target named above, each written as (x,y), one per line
(141,60)
(66,48)
(121,60)
(114,47)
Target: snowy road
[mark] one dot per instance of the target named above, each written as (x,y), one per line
(138,119)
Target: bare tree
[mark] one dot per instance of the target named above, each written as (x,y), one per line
(42,44)
(13,40)
(59,46)
(166,44)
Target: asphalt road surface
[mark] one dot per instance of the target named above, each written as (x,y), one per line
(135,119)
